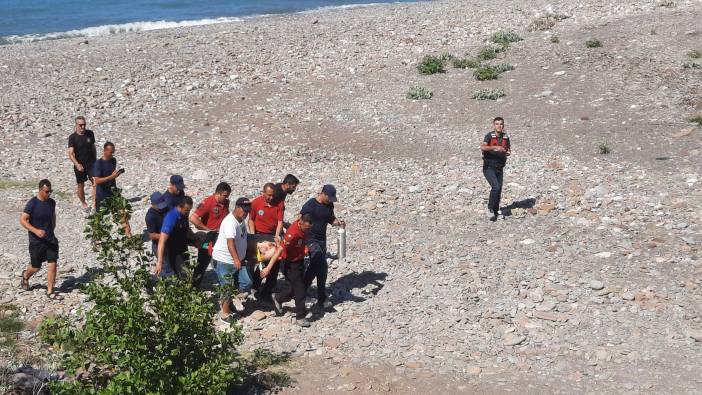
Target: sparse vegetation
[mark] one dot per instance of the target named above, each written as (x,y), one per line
(603,148)
(431,65)
(17,184)
(10,325)
(488,94)
(593,43)
(694,54)
(465,63)
(446,56)
(419,93)
(666,3)
(692,65)
(546,22)
(484,73)
(502,67)
(555,39)
(505,38)
(489,52)
(696,119)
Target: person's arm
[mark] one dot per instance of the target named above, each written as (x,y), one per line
(163,238)
(273,261)
(494,148)
(232,251)
(509,148)
(278,231)
(251,226)
(24,221)
(197,222)
(102,180)
(72,157)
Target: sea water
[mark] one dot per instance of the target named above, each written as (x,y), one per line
(31,20)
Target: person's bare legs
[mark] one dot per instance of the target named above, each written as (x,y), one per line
(29,272)
(80,192)
(50,277)
(225,308)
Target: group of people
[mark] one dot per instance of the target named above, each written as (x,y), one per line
(232,241)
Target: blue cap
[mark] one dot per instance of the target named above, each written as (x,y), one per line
(178,182)
(158,200)
(330,191)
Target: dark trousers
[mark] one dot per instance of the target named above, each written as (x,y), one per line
(203,260)
(494,178)
(294,272)
(318,268)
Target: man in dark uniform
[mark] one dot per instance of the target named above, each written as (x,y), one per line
(81,152)
(495,148)
(105,174)
(281,190)
(175,191)
(174,239)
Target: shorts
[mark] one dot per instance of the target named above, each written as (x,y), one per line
(226,273)
(42,251)
(85,175)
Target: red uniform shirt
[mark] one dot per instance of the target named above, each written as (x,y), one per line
(212,213)
(264,217)
(294,243)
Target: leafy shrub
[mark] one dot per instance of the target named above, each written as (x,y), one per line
(696,119)
(502,67)
(431,65)
(10,324)
(419,93)
(488,94)
(545,22)
(603,148)
(555,39)
(484,73)
(692,65)
(489,53)
(694,54)
(593,43)
(665,3)
(141,335)
(505,38)
(446,56)
(465,63)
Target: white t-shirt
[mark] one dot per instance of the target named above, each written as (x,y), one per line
(230,229)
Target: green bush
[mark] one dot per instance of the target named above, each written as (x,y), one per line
(694,54)
(593,43)
(502,67)
(484,73)
(555,39)
(419,93)
(489,52)
(431,65)
(692,65)
(488,94)
(141,335)
(465,63)
(603,148)
(696,119)
(505,38)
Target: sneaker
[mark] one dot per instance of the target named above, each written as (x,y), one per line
(238,306)
(276,305)
(320,307)
(490,214)
(302,322)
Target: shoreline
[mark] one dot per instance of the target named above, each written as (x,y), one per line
(161,25)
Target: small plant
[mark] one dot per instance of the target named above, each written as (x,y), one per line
(419,93)
(431,65)
(505,38)
(465,63)
(10,325)
(692,65)
(446,56)
(484,73)
(603,148)
(502,67)
(593,43)
(694,54)
(488,94)
(546,22)
(666,3)
(696,119)
(555,39)
(489,53)
(653,32)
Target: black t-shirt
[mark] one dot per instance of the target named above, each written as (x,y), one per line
(496,158)
(322,215)
(83,147)
(171,199)
(279,195)
(154,220)
(41,215)
(104,168)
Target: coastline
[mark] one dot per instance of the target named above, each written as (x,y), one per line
(323,95)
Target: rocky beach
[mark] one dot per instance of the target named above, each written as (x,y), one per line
(591,284)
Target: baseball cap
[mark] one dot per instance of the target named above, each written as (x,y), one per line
(158,200)
(178,182)
(244,203)
(330,191)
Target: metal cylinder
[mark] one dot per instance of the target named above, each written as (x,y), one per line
(341,244)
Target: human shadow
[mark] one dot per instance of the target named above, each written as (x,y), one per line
(70,283)
(524,204)
(369,282)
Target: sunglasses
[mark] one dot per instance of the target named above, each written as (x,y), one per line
(48,190)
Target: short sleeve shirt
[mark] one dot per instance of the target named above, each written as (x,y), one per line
(154,221)
(176,226)
(41,216)
(103,168)
(279,195)
(230,229)
(211,212)
(294,243)
(494,157)
(171,199)
(83,147)
(264,217)
(322,215)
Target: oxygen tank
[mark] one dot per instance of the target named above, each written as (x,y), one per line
(341,244)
